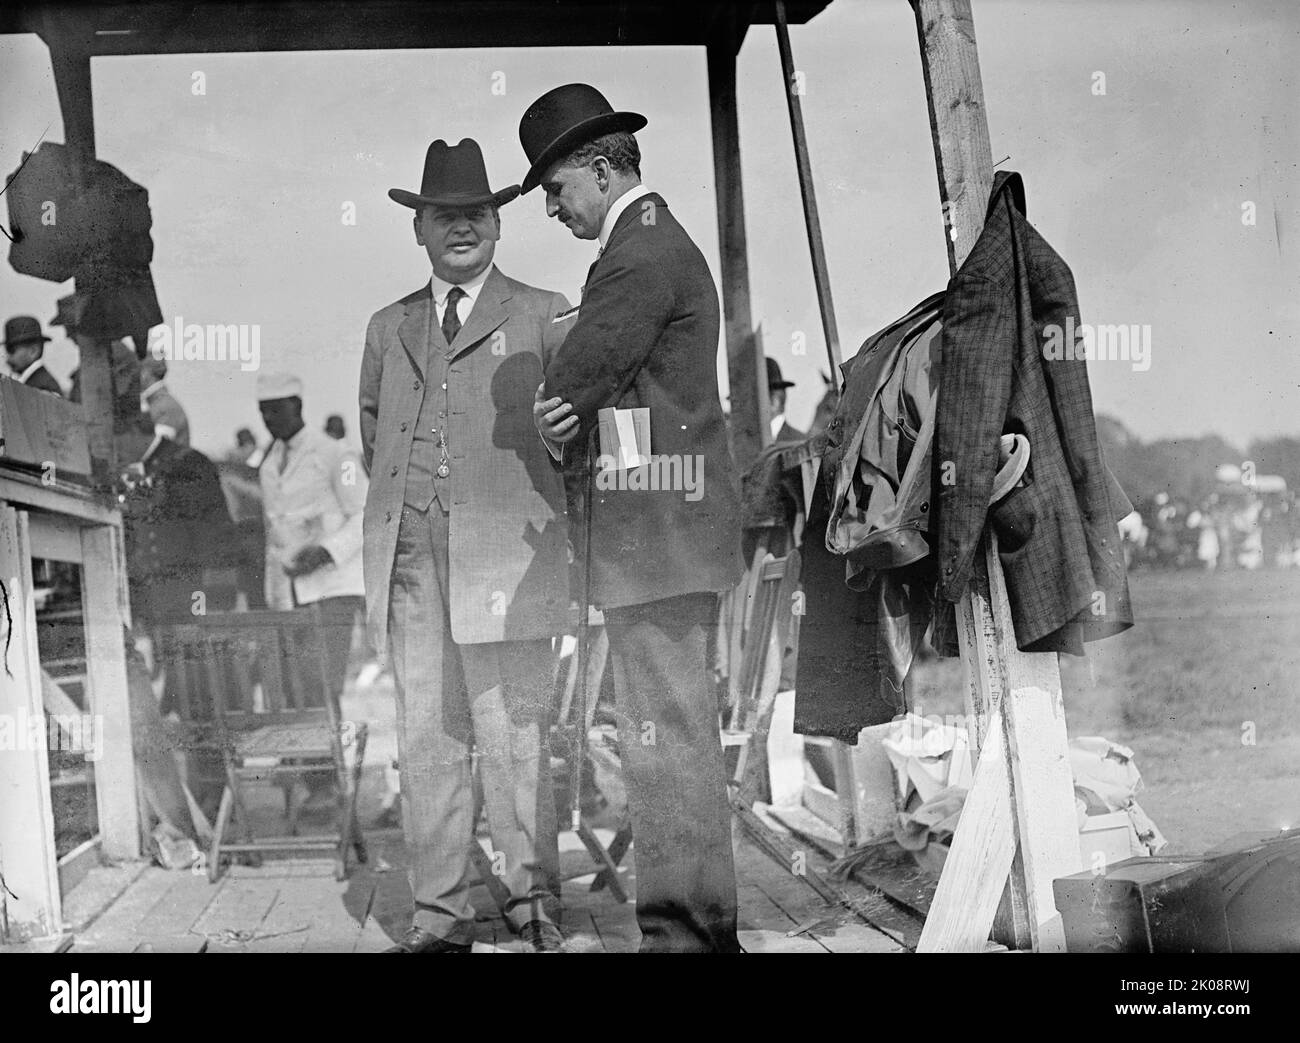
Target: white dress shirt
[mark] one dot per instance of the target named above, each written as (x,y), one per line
(313,492)
(778,422)
(465,305)
(616,209)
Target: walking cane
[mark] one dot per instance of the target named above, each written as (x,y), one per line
(578,742)
(582,697)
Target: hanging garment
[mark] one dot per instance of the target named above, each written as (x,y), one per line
(868,574)
(1057,536)
(881,475)
(855,646)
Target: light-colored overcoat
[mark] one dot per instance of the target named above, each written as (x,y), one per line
(508,528)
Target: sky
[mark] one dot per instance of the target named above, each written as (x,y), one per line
(1145,133)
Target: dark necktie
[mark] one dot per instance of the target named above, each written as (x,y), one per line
(450,318)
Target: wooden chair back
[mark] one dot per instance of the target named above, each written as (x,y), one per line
(771,616)
(241,670)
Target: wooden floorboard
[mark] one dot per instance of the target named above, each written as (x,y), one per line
(296,905)
(117,924)
(307,915)
(102,886)
(766,927)
(894,917)
(175,913)
(236,914)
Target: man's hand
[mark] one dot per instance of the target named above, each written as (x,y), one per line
(308,560)
(553,418)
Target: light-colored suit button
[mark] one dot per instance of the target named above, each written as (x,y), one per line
(393,472)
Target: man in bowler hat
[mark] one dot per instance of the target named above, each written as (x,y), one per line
(25,348)
(466,556)
(777,387)
(646,335)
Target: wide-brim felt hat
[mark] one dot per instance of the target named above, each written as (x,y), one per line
(561,120)
(775,381)
(23,329)
(454,175)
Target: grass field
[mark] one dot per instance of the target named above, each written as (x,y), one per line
(1205,688)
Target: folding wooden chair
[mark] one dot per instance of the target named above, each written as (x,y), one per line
(738,612)
(254,686)
(754,684)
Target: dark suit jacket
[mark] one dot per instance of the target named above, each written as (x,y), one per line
(1057,538)
(647,335)
(789,434)
(43,380)
(177,532)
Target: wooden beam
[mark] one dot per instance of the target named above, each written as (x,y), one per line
(979,861)
(978,640)
(1042,783)
(97,404)
(747,375)
(76,102)
(30,903)
(1019,820)
(109,694)
(958,121)
(803,164)
(61,497)
(69,36)
(153,27)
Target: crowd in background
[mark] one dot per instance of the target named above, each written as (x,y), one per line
(1232,528)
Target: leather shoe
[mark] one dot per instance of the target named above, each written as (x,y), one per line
(543,936)
(416,939)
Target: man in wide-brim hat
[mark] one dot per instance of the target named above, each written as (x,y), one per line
(646,335)
(25,347)
(466,560)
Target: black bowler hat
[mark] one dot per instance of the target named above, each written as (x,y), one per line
(454,175)
(562,119)
(23,329)
(774,379)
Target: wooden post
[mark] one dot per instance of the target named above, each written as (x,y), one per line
(70,60)
(747,375)
(1019,819)
(821,275)
(30,905)
(108,690)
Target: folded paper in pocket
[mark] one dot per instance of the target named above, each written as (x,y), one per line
(624,437)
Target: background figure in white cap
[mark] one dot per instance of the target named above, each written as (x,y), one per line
(313,495)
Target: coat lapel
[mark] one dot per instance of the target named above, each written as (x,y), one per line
(413,331)
(489,313)
(632,212)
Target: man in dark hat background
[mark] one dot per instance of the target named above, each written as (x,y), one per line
(25,347)
(777,386)
(646,335)
(466,556)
